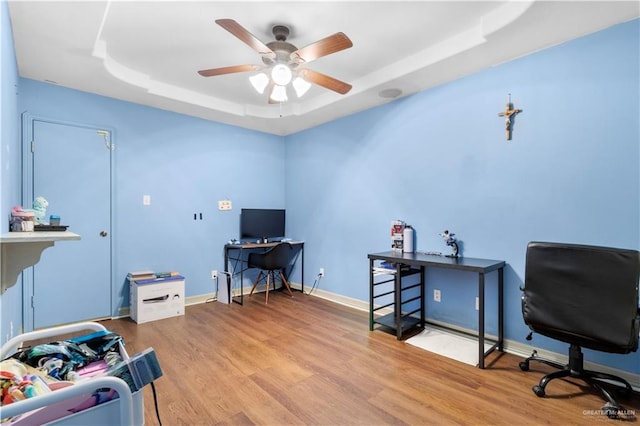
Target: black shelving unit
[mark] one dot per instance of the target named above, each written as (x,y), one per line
(403,317)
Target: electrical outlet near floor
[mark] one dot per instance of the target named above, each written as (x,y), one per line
(321,273)
(436,295)
(214,274)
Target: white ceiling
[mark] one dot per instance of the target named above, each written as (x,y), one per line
(148,52)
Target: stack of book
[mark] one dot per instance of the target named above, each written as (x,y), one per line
(140,276)
(389,268)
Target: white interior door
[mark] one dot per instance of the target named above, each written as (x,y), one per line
(72,171)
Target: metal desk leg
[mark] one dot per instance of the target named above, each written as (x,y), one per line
(226,274)
(422,299)
(370,294)
(397,302)
(241,278)
(481,320)
(302,267)
(500,310)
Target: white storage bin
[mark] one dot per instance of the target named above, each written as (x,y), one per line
(156,299)
(52,408)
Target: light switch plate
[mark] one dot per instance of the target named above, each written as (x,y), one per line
(224,205)
(146,200)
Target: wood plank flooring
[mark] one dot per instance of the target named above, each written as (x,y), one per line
(305,360)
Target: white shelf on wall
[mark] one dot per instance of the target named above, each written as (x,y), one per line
(21,250)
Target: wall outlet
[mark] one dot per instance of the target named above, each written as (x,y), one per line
(477,303)
(214,274)
(224,205)
(436,295)
(321,273)
(146,200)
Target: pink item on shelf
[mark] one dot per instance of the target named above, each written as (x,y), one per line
(18,211)
(21,220)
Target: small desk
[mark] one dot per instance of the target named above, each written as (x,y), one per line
(418,262)
(239,260)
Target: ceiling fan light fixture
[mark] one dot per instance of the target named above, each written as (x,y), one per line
(259,82)
(279,94)
(281,75)
(301,86)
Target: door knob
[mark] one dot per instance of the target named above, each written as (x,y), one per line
(103,233)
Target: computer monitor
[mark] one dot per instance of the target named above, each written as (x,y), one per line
(258,224)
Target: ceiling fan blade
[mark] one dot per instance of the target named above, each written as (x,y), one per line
(326,81)
(249,39)
(324,47)
(227,70)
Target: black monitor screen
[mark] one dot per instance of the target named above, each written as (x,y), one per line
(262,223)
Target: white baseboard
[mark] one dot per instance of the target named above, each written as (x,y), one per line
(333,297)
(510,346)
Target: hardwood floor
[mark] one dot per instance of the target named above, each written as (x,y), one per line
(305,360)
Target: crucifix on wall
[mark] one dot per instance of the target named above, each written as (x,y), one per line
(509,111)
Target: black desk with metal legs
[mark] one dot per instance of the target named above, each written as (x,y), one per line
(418,262)
(240,261)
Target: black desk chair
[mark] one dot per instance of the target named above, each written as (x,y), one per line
(273,260)
(586,296)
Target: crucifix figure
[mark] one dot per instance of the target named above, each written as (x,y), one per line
(507,116)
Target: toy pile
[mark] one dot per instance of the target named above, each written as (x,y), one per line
(42,368)
(24,220)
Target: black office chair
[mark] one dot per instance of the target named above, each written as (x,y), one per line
(586,296)
(273,260)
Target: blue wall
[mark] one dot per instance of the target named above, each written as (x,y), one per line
(439,160)
(10,178)
(186,165)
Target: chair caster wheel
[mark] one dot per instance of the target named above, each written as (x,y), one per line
(538,390)
(524,366)
(619,413)
(611,411)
